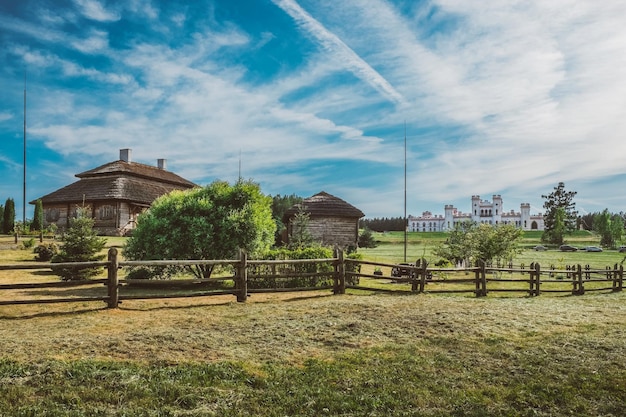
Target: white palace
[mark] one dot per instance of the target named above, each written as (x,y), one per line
(483,211)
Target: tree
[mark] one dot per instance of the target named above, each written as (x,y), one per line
(471,242)
(8,223)
(456,248)
(280,204)
(300,236)
(556,222)
(366,239)
(609,227)
(80,244)
(211,222)
(37,223)
(1,218)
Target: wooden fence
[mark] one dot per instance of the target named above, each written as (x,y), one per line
(337,274)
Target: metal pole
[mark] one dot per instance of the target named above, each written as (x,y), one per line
(405,220)
(24,191)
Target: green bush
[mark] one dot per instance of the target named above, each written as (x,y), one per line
(80,244)
(45,251)
(261,276)
(27,244)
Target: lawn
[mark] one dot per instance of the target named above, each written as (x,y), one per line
(312,354)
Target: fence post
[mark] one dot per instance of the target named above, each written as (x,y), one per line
(112,279)
(579,288)
(423,276)
(340,273)
(242,277)
(481,279)
(537,280)
(618,278)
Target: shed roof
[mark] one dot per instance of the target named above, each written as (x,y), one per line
(122,181)
(324,204)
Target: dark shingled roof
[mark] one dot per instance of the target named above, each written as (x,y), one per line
(324,204)
(120,180)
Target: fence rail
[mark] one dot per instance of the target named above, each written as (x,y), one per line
(337,275)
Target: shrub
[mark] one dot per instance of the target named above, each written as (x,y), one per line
(45,251)
(27,244)
(262,276)
(81,244)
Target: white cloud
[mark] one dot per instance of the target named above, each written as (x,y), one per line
(6,116)
(340,51)
(94,10)
(96,41)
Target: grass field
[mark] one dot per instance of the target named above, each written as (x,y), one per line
(314,354)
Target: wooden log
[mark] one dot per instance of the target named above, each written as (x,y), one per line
(112,281)
(242,277)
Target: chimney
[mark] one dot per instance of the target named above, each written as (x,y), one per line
(162,163)
(125,155)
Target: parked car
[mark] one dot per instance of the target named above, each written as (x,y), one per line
(540,248)
(622,249)
(593,249)
(567,248)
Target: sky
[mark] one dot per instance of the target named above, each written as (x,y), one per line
(302,96)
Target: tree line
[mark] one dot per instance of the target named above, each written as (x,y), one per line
(384,224)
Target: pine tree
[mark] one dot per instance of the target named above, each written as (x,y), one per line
(8,218)
(560,216)
(80,244)
(38,217)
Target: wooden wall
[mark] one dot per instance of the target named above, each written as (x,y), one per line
(332,231)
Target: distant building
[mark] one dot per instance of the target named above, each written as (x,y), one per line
(483,211)
(332,221)
(114,194)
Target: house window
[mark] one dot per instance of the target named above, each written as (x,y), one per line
(106,212)
(52,215)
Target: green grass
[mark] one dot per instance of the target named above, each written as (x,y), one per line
(390,249)
(348,356)
(360,354)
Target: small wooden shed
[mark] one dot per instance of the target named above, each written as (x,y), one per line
(114,194)
(332,221)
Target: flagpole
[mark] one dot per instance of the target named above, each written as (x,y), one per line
(405,220)
(24,190)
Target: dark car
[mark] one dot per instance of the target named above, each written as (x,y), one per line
(622,249)
(593,249)
(567,248)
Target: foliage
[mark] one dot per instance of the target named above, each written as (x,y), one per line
(212,222)
(1,218)
(383,224)
(37,223)
(560,216)
(80,244)
(262,275)
(280,204)
(8,219)
(45,251)
(470,242)
(366,239)
(28,243)
(609,227)
(300,236)
(456,247)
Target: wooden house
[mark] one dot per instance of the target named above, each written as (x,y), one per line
(114,194)
(332,221)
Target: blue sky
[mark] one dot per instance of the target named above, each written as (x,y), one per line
(498,97)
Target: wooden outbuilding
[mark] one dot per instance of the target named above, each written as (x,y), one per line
(332,221)
(114,194)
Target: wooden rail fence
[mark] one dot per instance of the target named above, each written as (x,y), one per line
(339,274)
